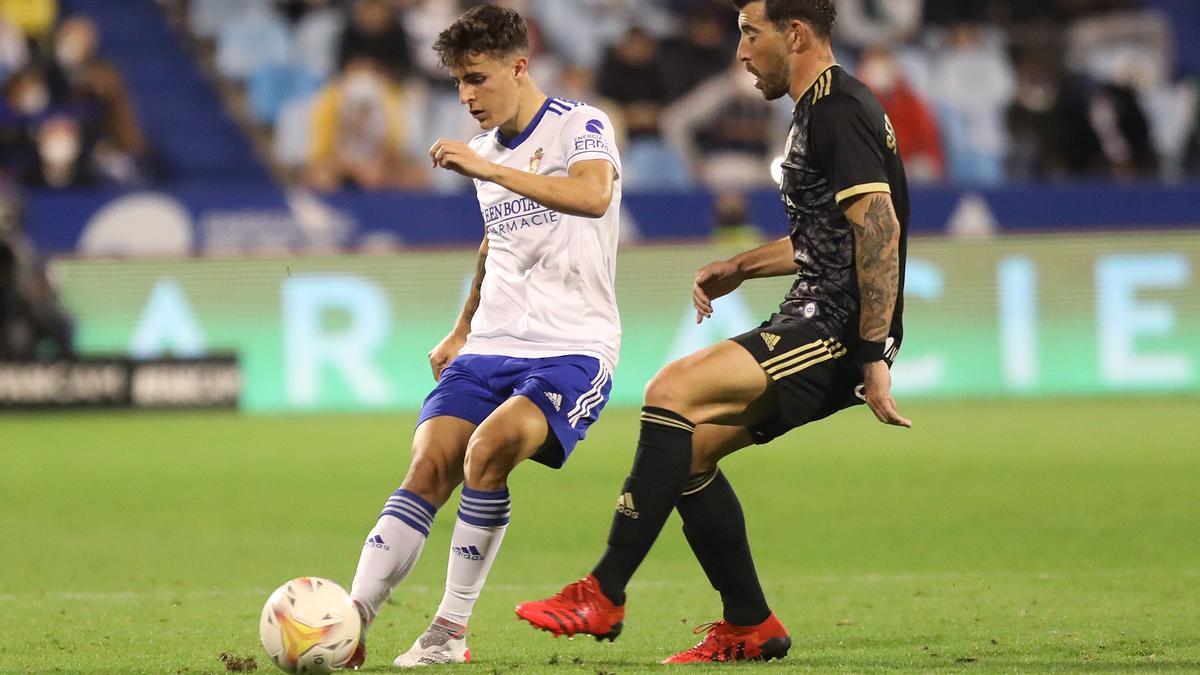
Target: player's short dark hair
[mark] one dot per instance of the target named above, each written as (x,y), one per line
(484,29)
(820,14)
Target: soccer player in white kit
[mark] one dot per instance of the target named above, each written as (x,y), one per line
(528,365)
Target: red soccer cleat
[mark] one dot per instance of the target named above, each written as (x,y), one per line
(727,642)
(578,608)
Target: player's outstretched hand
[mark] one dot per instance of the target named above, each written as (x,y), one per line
(877,380)
(459,157)
(445,351)
(712,281)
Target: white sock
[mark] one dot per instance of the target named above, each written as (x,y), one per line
(391,550)
(482,521)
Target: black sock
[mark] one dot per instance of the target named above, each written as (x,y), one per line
(664,457)
(716,530)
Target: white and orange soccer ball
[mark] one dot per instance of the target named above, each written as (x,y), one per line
(309,625)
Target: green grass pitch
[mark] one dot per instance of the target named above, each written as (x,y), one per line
(994,536)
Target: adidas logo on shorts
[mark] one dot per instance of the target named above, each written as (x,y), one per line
(771,339)
(555,398)
(625,505)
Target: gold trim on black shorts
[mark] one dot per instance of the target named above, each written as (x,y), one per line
(796,360)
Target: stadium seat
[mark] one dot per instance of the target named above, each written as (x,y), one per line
(653,165)
(256,39)
(206,17)
(272,85)
(315,41)
(293,128)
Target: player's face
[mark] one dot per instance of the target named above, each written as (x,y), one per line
(487,86)
(763,50)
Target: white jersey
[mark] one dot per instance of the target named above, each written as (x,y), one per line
(549,278)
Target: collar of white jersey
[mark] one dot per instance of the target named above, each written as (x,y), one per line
(512,143)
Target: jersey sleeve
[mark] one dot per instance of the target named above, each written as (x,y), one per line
(588,134)
(847,144)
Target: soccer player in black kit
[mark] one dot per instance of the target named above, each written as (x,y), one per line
(830,346)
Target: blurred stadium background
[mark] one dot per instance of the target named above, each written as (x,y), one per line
(248,177)
(227,203)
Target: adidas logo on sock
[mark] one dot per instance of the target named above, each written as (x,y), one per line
(468,552)
(376,541)
(771,339)
(555,398)
(625,505)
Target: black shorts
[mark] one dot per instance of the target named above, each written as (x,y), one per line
(812,369)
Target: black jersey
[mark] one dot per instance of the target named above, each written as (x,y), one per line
(841,145)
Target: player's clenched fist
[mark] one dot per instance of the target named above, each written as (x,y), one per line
(713,281)
(445,351)
(459,157)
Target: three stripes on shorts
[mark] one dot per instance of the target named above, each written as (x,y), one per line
(796,360)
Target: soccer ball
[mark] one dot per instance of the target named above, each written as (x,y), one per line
(309,625)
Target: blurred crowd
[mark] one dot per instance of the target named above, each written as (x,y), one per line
(351,96)
(980,93)
(66,117)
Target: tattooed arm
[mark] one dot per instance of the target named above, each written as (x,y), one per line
(876,249)
(877,259)
(445,351)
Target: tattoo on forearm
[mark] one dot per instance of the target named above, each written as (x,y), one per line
(472,303)
(878,268)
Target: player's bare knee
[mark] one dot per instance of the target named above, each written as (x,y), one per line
(488,463)
(702,461)
(432,478)
(666,390)
(705,454)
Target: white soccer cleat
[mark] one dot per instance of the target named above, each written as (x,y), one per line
(440,643)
